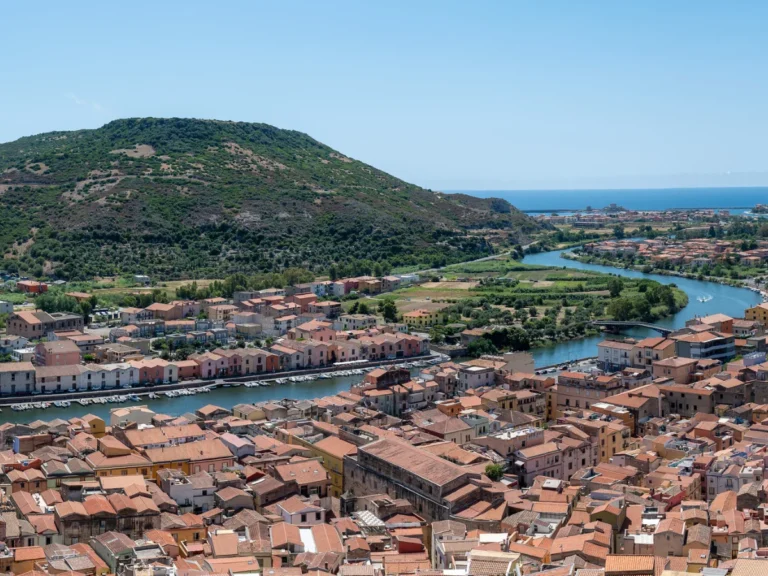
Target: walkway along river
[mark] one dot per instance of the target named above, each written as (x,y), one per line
(224,397)
(719,298)
(725,299)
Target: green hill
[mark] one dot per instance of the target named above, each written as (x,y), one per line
(178,198)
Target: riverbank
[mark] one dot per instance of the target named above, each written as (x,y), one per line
(219,395)
(266,379)
(717,298)
(619,265)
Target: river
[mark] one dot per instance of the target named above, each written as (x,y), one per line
(724,299)
(224,397)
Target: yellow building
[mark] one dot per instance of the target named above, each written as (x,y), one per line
(551,395)
(612,437)
(249,412)
(26,558)
(423,318)
(127,465)
(96,426)
(758,313)
(332,451)
(186,529)
(191,457)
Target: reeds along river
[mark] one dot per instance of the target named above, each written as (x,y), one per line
(704,298)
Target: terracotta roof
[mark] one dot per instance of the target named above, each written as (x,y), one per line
(628,563)
(305,472)
(336,447)
(115,542)
(97,504)
(70,508)
(418,462)
(190,451)
(675,525)
(283,534)
(27,553)
(224,544)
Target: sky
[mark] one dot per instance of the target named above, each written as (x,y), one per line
(447,95)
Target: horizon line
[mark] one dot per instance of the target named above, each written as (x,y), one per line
(659,188)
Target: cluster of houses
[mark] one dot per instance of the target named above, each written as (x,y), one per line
(54,353)
(690,253)
(614,214)
(476,468)
(713,340)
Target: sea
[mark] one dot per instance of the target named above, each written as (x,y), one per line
(738,200)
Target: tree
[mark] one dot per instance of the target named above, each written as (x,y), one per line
(615,286)
(494,471)
(621,309)
(359,308)
(85,309)
(618,231)
(481,346)
(388,309)
(643,309)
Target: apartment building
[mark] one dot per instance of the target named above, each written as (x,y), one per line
(705,345)
(614,355)
(16,377)
(580,390)
(35,325)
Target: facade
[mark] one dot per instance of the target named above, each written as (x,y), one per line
(613,355)
(57,353)
(16,378)
(403,471)
(36,325)
(706,345)
(650,350)
(423,318)
(580,390)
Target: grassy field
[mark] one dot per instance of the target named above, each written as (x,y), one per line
(116,286)
(502,291)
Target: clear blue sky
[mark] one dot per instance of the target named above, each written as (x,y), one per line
(449,95)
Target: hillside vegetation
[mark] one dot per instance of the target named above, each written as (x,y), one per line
(179,198)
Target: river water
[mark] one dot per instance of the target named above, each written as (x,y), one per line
(724,299)
(224,397)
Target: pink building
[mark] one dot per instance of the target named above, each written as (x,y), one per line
(313,330)
(57,353)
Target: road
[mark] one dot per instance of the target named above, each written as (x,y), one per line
(483,259)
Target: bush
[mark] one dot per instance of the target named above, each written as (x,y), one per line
(494,471)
